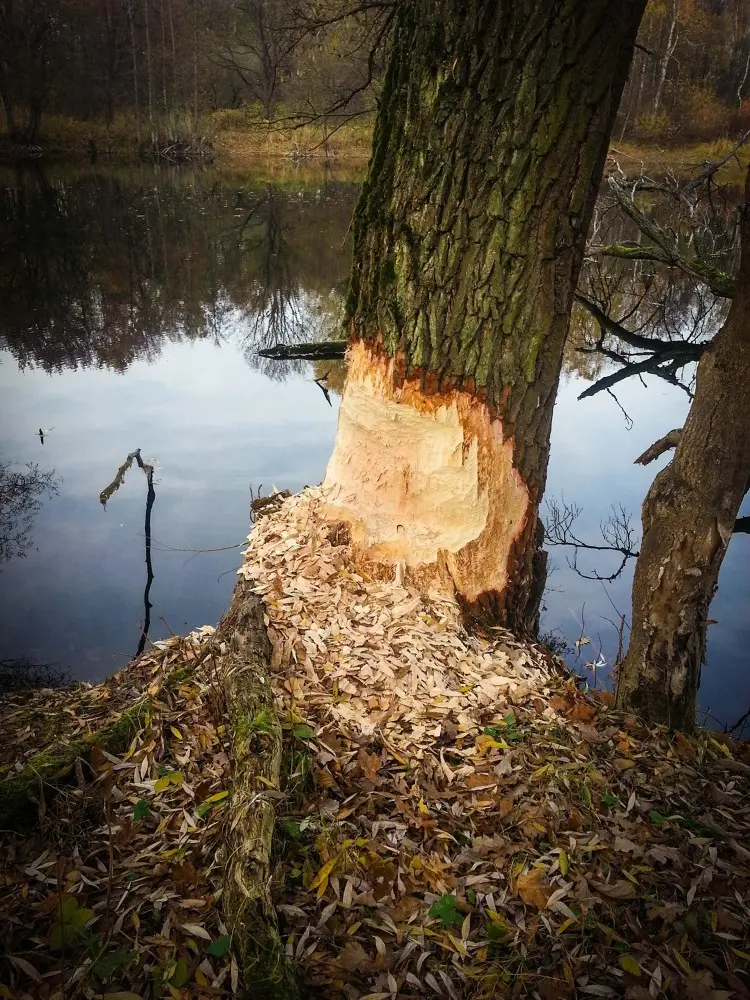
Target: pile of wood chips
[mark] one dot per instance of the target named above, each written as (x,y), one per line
(464,822)
(458,820)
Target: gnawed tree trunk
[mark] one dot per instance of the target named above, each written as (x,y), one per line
(244,667)
(688,518)
(468,237)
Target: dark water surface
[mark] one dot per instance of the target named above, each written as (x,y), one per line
(131,308)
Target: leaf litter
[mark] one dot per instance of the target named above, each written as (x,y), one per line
(460,819)
(463,821)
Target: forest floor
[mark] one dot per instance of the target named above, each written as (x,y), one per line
(458,818)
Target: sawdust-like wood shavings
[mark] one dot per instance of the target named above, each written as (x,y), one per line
(462,822)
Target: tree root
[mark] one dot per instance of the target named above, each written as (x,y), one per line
(244,664)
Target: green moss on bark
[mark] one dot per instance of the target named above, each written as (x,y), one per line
(51,769)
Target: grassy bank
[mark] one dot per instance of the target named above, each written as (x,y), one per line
(238,140)
(230,138)
(683,160)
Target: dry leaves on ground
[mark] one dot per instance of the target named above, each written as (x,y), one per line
(463,822)
(114,891)
(459,820)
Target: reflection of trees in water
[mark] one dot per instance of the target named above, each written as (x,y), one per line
(283,308)
(645,299)
(21,497)
(102,269)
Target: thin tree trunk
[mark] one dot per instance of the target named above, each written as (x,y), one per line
(666,57)
(492,131)
(175,96)
(195,67)
(150,76)
(688,517)
(135,75)
(165,100)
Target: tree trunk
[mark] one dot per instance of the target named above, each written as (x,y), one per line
(134,51)
(688,517)
(489,146)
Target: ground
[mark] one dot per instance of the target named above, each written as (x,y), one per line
(457,817)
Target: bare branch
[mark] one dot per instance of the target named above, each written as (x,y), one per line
(718,281)
(665,348)
(670,440)
(617,536)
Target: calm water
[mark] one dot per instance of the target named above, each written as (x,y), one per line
(132,307)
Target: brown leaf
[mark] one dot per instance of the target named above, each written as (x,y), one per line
(532,888)
(582,712)
(698,986)
(354,958)
(617,890)
(554,989)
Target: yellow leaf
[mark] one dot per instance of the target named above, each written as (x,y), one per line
(540,771)
(320,882)
(682,962)
(176,778)
(175,732)
(563,863)
(742,954)
(566,924)
(200,978)
(630,964)
(721,747)
(217,797)
(161,784)
(136,920)
(485,743)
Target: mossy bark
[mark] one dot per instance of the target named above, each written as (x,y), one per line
(44,774)
(688,519)
(245,665)
(488,151)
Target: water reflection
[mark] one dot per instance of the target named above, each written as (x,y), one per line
(22,493)
(135,304)
(107,268)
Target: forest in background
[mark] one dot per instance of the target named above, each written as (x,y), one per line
(112,78)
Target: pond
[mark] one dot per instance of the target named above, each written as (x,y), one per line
(134,304)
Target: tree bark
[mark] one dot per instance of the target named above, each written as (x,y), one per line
(491,136)
(688,519)
(243,667)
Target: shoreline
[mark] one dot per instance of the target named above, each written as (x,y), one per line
(235,147)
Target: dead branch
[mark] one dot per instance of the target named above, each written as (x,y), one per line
(323,350)
(670,440)
(617,535)
(720,283)
(243,660)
